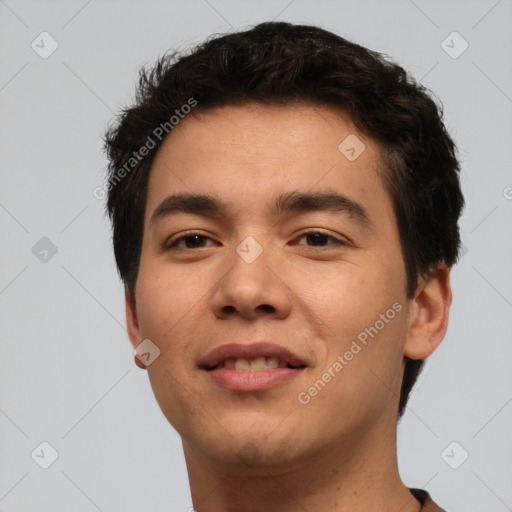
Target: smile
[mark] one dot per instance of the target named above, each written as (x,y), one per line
(255,366)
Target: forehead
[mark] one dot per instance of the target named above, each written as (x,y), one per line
(249,154)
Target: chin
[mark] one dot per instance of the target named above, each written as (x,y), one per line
(254,448)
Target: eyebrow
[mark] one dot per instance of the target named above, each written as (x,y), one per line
(285,204)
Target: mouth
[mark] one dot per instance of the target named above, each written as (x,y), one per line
(257,364)
(251,367)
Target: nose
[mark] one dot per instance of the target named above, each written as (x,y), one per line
(251,290)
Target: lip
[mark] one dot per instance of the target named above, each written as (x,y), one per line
(249,351)
(250,380)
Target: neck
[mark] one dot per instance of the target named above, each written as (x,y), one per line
(358,475)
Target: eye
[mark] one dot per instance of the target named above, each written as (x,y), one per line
(194,240)
(190,240)
(319,239)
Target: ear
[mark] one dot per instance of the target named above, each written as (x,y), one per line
(429,313)
(132,324)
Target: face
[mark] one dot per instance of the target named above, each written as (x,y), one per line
(297,250)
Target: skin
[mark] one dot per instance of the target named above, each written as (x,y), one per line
(266,451)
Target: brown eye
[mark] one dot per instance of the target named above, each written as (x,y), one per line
(319,239)
(189,241)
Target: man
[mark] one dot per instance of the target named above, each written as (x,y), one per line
(284,207)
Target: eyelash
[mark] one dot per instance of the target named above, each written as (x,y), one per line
(190,234)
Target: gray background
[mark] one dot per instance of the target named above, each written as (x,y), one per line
(66,365)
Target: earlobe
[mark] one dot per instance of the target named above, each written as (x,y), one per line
(429,314)
(132,325)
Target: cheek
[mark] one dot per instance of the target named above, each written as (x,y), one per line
(166,312)
(164,300)
(179,403)
(349,297)
(361,379)
(374,323)
(365,310)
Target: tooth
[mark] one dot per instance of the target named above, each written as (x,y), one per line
(242,365)
(229,363)
(258,364)
(272,362)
